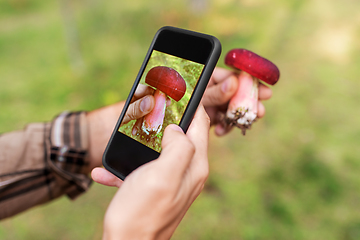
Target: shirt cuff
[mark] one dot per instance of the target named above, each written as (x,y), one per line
(68,143)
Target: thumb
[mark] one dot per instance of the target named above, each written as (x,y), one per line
(104,177)
(139,108)
(177,151)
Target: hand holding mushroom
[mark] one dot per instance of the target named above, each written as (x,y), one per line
(167,83)
(141,104)
(243,106)
(222,87)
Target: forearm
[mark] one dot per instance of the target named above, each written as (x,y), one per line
(101,123)
(43,162)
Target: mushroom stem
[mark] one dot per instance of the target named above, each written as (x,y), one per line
(153,121)
(242,109)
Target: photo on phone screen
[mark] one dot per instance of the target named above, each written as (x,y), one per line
(172,81)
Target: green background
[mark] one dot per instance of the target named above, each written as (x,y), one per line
(295,175)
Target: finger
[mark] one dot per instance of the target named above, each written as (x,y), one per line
(141,91)
(104,177)
(219,75)
(198,133)
(261,110)
(219,94)
(139,108)
(221,131)
(137,126)
(265,92)
(177,152)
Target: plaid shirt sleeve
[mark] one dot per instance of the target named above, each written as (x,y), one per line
(43,162)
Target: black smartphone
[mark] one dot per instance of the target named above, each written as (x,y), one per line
(176,70)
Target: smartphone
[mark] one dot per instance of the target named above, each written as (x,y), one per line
(176,70)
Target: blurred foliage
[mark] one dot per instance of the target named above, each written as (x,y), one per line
(295,175)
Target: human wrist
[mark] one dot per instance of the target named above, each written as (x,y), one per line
(101,123)
(66,143)
(135,222)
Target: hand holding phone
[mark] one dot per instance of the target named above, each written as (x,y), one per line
(174,74)
(182,166)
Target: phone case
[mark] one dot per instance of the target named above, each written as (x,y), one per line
(185,53)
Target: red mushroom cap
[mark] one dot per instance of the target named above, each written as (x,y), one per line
(167,80)
(253,64)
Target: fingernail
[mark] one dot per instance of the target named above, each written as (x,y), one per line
(226,85)
(134,131)
(176,128)
(145,104)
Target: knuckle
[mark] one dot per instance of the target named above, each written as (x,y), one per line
(203,174)
(210,96)
(161,188)
(215,97)
(207,119)
(157,182)
(185,144)
(133,111)
(190,147)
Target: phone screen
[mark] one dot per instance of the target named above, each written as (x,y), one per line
(172,81)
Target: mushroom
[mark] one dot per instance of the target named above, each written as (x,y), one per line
(242,109)
(167,82)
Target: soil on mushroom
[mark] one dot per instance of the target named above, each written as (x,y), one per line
(190,71)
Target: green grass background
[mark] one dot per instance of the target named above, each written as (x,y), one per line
(296,173)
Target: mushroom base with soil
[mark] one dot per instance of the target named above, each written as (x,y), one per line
(242,109)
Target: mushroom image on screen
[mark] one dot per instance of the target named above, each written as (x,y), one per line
(167,82)
(242,109)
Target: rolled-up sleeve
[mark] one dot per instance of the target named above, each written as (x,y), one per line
(42,162)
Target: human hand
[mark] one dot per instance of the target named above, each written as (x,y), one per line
(222,86)
(141,103)
(154,198)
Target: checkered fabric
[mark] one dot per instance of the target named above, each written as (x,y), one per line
(42,162)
